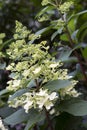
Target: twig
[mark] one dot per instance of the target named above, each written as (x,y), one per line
(48,119)
(47,113)
(37,85)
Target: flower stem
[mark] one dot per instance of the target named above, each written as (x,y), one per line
(48,119)
(47,113)
(37,85)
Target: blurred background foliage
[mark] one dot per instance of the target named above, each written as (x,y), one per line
(21,10)
(25,11)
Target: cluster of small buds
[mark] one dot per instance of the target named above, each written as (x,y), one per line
(19,29)
(60,23)
(31,62)
(34,36)
(45,17)
(13,85)
(65,7)
(69,91)
(39,99)
(45,2)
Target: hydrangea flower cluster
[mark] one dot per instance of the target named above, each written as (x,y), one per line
(39,99)
(44,17)
(58,24)
(32,62)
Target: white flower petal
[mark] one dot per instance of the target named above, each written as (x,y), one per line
(53,65)
(28,105)
(16,83)
(53,96)
(42,93)
(48,105)
(37,70)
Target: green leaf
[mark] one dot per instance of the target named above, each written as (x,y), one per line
(31,84)
(6,111)
(2,66)
(34,118)
(72,24)
(66,121)
(17,117)
(64,37)
(81,32)
(18,93)
(20,116)
(4,91)
(5,44)
(76,107)
(78,14)
(74,36)
(84,35)
(55,85)
(40,32)
(2,103)
(84,53)
(59,31)
(78,46)
(47,8)
(64,55)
